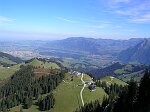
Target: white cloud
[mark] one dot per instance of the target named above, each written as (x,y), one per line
(141,19)
(67,20)
(99,26)
(125,1)
(5,19)
(135,10)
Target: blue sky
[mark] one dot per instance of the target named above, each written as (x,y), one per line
(57,19)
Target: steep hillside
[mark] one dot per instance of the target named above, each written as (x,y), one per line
(137,54)
(8,60)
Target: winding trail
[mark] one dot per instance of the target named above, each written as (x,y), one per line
(81,92)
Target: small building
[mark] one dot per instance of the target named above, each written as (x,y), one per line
(75,73)
(89,82)
(92,87)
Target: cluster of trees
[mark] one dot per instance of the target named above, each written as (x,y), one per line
(23,87)
(95,106)
(113,88)
(137,98)
(46,103)
(133,98)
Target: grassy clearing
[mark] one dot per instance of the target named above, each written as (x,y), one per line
(86,77)
(89,96)
(113,80)
(67,95)
(6,72)
(120,71)
(15,109)
(37,63)
(33,108)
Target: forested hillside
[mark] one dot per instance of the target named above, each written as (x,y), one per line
(26,89)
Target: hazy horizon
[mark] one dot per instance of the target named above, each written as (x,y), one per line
(59,19)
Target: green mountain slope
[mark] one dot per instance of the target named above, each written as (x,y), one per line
(8,60)
(111,80)
(42,64)
(6,72)
(8,65)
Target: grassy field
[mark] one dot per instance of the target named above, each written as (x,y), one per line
(111,80)
(67,94)
(37,63)
(6,72)
(89,96)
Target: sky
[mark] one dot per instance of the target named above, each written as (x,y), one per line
(58,19)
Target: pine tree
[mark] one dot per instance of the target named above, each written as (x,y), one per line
(144,93)
(131,96)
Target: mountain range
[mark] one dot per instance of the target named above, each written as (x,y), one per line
(104,51)
(91,45)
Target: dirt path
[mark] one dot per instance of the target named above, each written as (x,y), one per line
(81,92)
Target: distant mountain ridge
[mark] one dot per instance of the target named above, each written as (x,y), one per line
(137,54)
(91,45)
